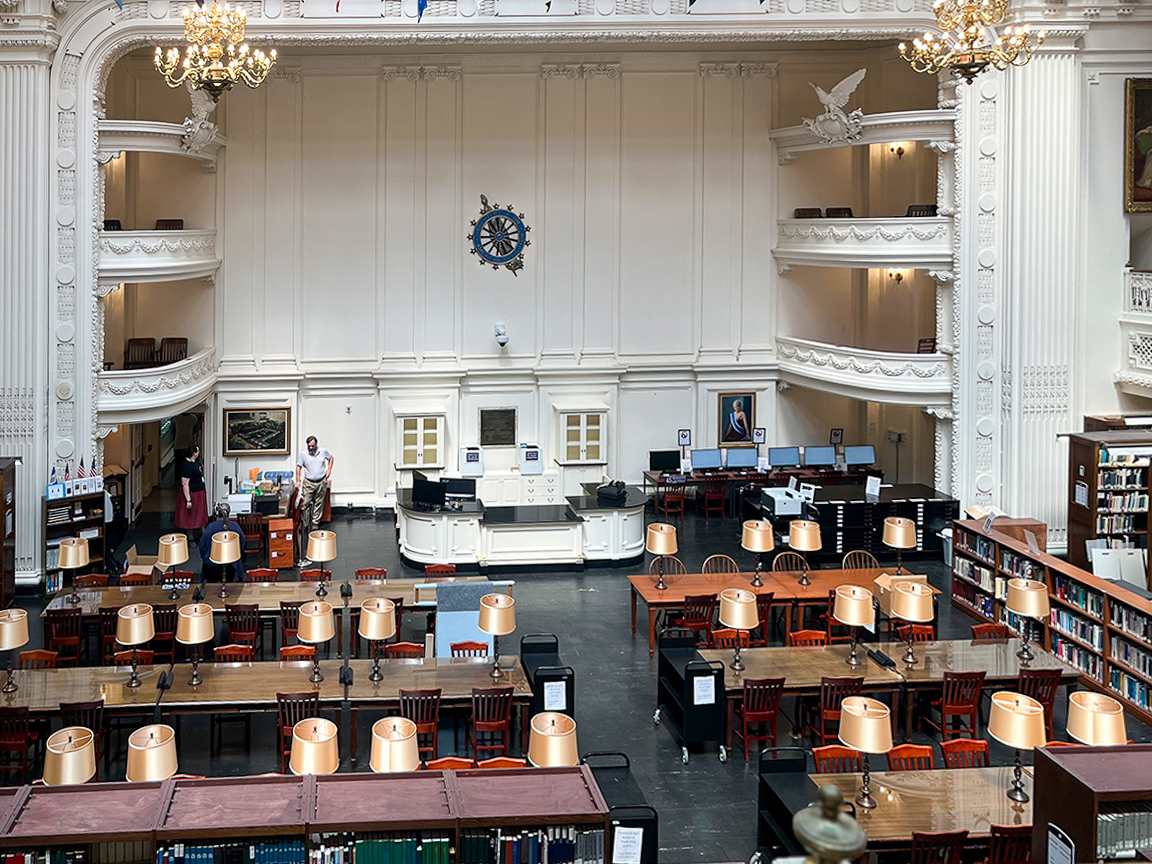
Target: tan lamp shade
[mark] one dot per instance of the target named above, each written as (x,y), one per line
(151,753)
(899,533)
(912,601)
(1028,597)
(314,747)
(804,535)
(738,609)
(497,614)
(377,619)
(394,746)
(194,624)
(865,725)
(552,743)
(853,606)
(13,629)
(134,624)
(322,545)
(70,757)
(1094,718)
(661,539)
(73,553)
(317,623)
(757,536)
(225,547)
(173,550)
(1017,721)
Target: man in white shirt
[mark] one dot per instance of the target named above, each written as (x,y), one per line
(315,463)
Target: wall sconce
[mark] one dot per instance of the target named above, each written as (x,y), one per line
(897,147)
(896,275)
(501,335)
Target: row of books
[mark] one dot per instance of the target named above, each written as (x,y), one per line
(1120,524)
(981,547)
(1128,502)
(1130,621)
(405,847)
(1120,833)
(1081,628)
(59,515)
(1081,658)
(1130,655)
(1120,478)
(1022,567)
(982,603)
(244,852)
(1072,592)
(556,845)
(968,569)
(1130,687)
(1021,624)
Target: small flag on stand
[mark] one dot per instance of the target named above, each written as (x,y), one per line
(80,471)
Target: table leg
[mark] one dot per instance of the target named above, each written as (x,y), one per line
(352,756)
(651,631)
(633,609)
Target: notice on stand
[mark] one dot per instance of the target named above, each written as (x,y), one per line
(872,488)
(1033,546)
(1080,493)
(626,845)
(555,696)
(704,690)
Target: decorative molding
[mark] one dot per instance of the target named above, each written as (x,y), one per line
(861,361)
(125,396)
(287,73)
(942,278)
(578,70)
(934,126)
(877,376)
(940,412)
(919,243)
(169,241)
(117,136)
(942,146)
(720,70)
(154,256)
(833,232)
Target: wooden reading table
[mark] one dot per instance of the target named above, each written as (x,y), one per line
(42,690)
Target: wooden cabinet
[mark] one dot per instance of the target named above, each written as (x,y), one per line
(281,540)
(8,527)
(73,516)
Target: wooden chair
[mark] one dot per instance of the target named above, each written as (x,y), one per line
(169,224)
(291,708)
(833,691)
(252,531)
(789,562)
(124,658)
(366,574)
(673,566)
(140,353)
(858,559)
(764,615)
(233,654)
(62,634)
(991,632)
(720,564)
(38,659)
(911,757)
(728,638)
(436,572)
(311,575)
(807,638)
(90,715)
(833,629)
(230,654)
(297,652)
(172,349)
(1010,844)
(113,225)
(918,211)
(17,738)
(713,497)
(163,642)
(1041,685)
(965,753)
(469,649)
(503,762)
(926,345)
(243,622)
(404,650)
(422,707)
(449,763)
(109,616)
(262,574)
(491,717)
(697,616)
(91,580)
(837,759)
(960,698)
(760,706)
(920,632)
(838,212)
(670,500)
(807,213)
(135,580)
(289,619)
(937,847)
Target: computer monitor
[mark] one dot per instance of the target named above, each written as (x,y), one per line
(427,492)
(783,457)
(706,460)
(463,488)
(742,457)
(664,460)
(819,456)
(859,454)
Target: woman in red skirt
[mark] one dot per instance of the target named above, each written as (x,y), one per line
(192,503)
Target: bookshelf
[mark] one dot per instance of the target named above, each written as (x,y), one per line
(8,523)
(1099,627)
(72,516)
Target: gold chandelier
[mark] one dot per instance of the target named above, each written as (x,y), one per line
(969,43)
(217,55)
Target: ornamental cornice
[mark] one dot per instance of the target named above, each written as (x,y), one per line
(201,243)
(833,232)
(845,361)
(160,378)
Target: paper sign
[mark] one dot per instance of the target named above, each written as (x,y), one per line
(684,436)
(1033,546)
(685,466)
(1081,493)
(55,491)
(1061,849)
(792,483)
(555,696)
(872,487)
(762,464)
(988,523)
(704,690)
(626,845)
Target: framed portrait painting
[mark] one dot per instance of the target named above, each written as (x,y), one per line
(1138,145)
(737,419)
(257,431)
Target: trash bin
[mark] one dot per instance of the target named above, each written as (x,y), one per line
(946,536)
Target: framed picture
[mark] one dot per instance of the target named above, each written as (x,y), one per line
(1138,145)
(737,419)
(836,436)
(257,431)
(497,427)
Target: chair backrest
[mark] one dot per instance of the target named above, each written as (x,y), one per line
(939,847)
(14,724)
(492,704)
(502,762)
(291,708)
(838,212)
(762,695)
(716,487)
(835,689)
(290,616)
(449,763)
(124,658)
(965,753)
(242,618)
(670,490)
(919,210)
(858,559)
(169,224)
(699,608)
(113,225)
(926,345)
(673,566)
(164,621)
(990,631)
(135,580)
(91,580)
(38,658)
(173,349)
(90,715)
(433,571)
(1041,685)
(364,574)
(837,759)
(140,351)
(468,648)
(962,689)
(728,638)
(789,562)
(262,574)
(65,623)
(311,575)
(919,632)
(911,757)
(807,213)
(764,607)
(420,706)
(807,638)
(720,564)
(233,654)
(252,524)
(1010,844)
(109,620)
(295,652)
(404,649)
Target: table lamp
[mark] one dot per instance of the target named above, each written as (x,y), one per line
(317,624)
(853,607)
(173,552)
(804,537)
(757,537)
(497,618)
(314,747)
(72,556)
(661,542)
(151,754)
(377,623)
(912,602)
(899,534)
(322,548)
(1027,598)
(738,611)
(865,725)
(69,757)
(552,742)
(13,634)
(394,746)
(1096,719)
(195,626)
(134,627)
(1017,721)
(225,550)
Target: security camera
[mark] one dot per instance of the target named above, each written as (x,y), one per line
(501,335)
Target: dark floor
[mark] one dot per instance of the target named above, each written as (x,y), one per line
(707,809)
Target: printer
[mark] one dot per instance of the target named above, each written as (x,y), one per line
(781,501)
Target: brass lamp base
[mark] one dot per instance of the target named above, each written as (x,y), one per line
(737,664)
(1017,793)
(322,591)
(223,587)
(74,597)
(195,680)
(757,582)
(865,799)
(316,677)
(1025,654)
(853,655)
(10,684)
(804,580)
(376,674)
(909,657)
(496,672)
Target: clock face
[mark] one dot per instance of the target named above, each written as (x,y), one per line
(499,237)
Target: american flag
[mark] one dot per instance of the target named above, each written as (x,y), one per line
(80,471)
(67,472)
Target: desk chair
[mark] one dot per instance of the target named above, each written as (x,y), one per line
(375,645)
(140,353)
(469,648)
(163,642)
(838,212)
(243,623)
(17,738)
(728,638)
(91,580)
(833,629)
(449,763)
(230,654)
(365,574)
(911,757)
(764,616)
(858,559)
(837,759)
(436,572)
(1041,685)
(1063,744)
(670,500)
(135,580)
(291,708)
(938,847)
(172,349)
(124,658)
(62,634)
(422,707)
(235,653)
(108,621)
(960,698)
(311,575)
(833,691)
(297,652)
(720,564)
(289,619)
(169,224)
(673,566)
(918,211)
(252,531)
(920,632)
(990,632)
(491,719)
(404,650)
(699,612)
(807,213)
(38,659)
(713,497)
(262,574)
(90,715)
(807,638)
(760,706)
(965,753)
(789,562)
(1010,844)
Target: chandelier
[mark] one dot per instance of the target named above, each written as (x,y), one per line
(217,55)
(969,43)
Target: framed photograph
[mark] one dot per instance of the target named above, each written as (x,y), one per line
(497,427)
(836,437)
(759,434)
(257,431)
(684,436)
(1138,145)
(737,419)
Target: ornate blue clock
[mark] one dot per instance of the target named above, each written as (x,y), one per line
(499,237)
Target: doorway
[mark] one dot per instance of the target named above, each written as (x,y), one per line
(151,452)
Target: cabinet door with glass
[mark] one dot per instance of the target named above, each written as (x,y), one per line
(420,442)
(584,436)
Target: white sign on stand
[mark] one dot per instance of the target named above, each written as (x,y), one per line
(626,845)
(555,696)
(872,488)
(704,690)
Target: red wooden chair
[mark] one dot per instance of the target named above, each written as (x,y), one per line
(311,575)
(438,572)
(699,612)
(38,659)
(760,706)
(670,500)
(291,708)
(807,638)
(366,574)
(289,619)
(1041,685)
(503,762)
(91,580)
(422,707)
(833,629)
(728,638)
(960,698)
(920,632)
(243,622)
(1010,844)
(124,658)
(252,531)
(469,649)
(297,652)
(262,574)
(911,757)
(491,719)
(135,580)
(833,691)
(90,715)
(713,497)
(163,642)
(837,759)
(109,618)
(406,650)
(762,633)
(449,763)
(990,632)
(965,753)
(17,738)
(233,654)
(62,634)
(938,847)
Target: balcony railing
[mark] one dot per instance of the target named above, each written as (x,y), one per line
(875,376)
(924,242)
(157,256)
(143,395)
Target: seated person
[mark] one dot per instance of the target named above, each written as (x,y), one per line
(217,572)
